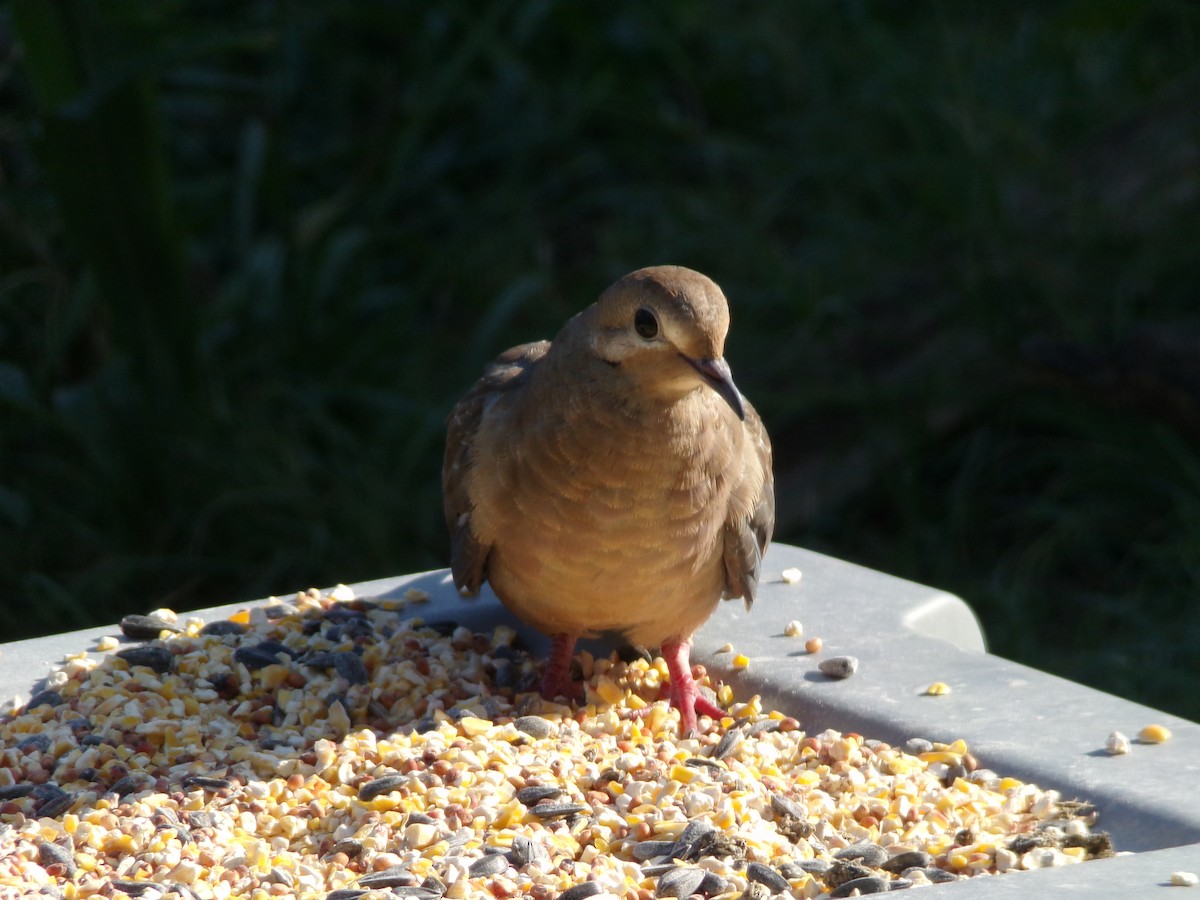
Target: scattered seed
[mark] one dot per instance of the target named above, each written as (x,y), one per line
(160,659)
(868,854)
(305,778)
(525,851)
(580,891)
(680,881)
(791,576)
(1118,744)
(690,837)
(146,628)
(741,661)
(558,810)
(937,689)
(223,628)
(785,806)
(867,884)
(916,746)
(766,876)
(128,784)
(765,726)
(254,658)
(532,795)
(35,743)
(534,726)
(350,666)
(800,868)
(907,859)
(729,740)
(839,666)
(56,805)
(489,864)
(936,875)
(391,877)
(377,787)
(1184,879)
(793,628)
(135,888)
(645,850)
(1154,734)
(204,782)
(813,645)
(53,855)
(45,698)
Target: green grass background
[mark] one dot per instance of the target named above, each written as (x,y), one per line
(251,252)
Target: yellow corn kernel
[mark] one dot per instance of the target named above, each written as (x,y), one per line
(724,819)
(670,829)
(941,756)
(1154,734)
(937,689)
(1079,853)
(609,691)
(473,726)
(683,774)
(511,814)
(741,661)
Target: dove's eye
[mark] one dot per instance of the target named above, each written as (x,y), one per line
(645,324)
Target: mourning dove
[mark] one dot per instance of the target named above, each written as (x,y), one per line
(614,482)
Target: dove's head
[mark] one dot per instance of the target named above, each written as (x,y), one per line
(665,327)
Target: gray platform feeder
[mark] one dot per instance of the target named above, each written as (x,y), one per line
(1017,721)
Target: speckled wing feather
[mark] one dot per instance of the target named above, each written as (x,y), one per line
(509,371)
(747,536)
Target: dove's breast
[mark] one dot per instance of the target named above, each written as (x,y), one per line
(604,518)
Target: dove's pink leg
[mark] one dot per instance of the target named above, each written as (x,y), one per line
(556,679)
(685,696)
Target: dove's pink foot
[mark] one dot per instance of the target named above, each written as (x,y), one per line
(685,695)
(556,679)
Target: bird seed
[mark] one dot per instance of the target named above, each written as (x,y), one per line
(337,747)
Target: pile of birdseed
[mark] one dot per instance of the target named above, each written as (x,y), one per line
(337,748)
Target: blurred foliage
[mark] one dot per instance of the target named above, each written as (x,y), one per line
(251,253)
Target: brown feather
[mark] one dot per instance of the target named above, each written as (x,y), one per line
(599,484)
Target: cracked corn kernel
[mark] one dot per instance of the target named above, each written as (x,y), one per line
(937,689)
(1154,734)
(793,628)
(610,692)
(299,779)
(791,576)
(741,661)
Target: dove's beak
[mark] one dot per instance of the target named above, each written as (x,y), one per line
(716,374)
